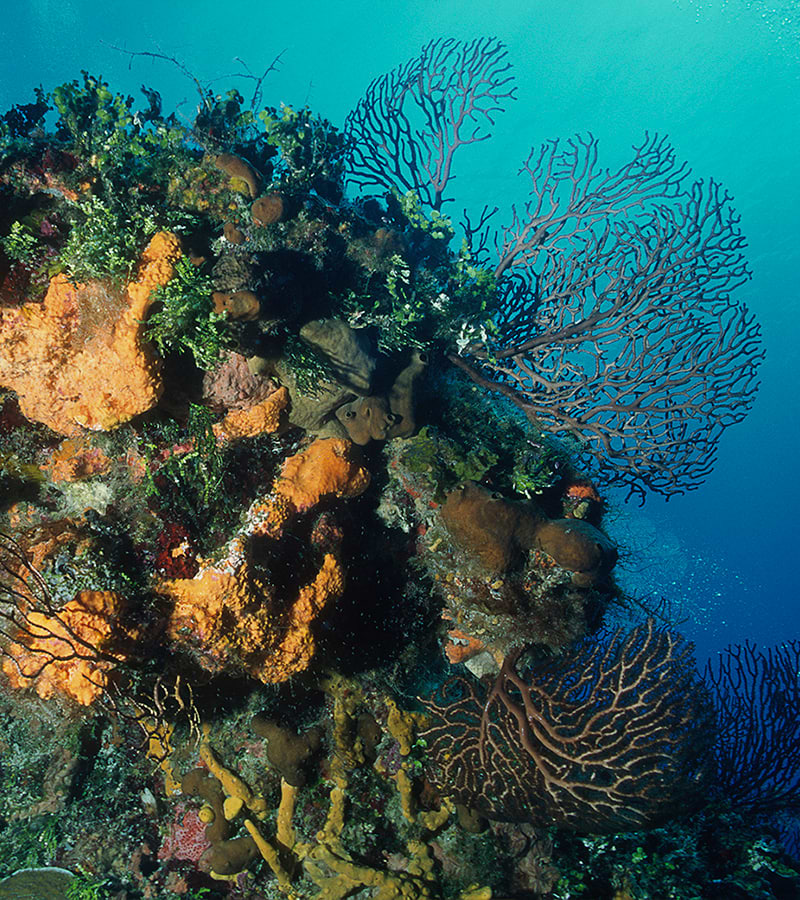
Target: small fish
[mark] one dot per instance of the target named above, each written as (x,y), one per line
(326,203)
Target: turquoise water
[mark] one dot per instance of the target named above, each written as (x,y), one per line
(722,79)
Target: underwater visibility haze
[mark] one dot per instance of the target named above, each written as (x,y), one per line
(397,415)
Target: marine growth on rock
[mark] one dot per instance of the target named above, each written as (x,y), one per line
(304,565)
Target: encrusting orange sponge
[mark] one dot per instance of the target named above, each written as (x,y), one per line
(330,467)
(230,614)
(77,459)
(79,360)
(327,468)
(49,658)
(261,418)
(233,617)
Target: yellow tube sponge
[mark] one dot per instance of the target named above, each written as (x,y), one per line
(231,783)
(269,854)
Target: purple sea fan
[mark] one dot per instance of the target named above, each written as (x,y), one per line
(406,129)
(618,321)
(611,736)
(756,695)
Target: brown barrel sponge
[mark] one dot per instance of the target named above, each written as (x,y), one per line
(238,305)
(490,527)
(577,546)
(232,234)
(499,532)
(268,209)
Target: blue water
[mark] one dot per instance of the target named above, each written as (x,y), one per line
(721,78)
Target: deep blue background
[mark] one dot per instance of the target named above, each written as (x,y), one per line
(721,78)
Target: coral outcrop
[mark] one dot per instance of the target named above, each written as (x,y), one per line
(509,574)
(184,543)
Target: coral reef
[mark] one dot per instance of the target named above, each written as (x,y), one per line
(298,593)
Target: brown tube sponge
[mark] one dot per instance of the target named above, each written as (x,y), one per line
(366,419)
(402,396)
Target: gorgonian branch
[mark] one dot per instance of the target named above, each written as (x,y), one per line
(617,323)
(610,736)
(757,698)
(32,623)
(407,128)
